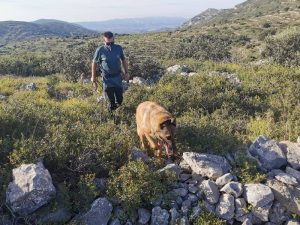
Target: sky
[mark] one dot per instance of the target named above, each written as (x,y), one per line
(98,10)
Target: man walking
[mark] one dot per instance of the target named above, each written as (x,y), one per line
(110,57)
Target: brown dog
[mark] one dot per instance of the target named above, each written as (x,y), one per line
(156,124)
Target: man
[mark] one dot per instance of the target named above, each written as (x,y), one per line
(111,58)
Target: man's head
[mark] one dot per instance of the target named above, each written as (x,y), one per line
(108,37)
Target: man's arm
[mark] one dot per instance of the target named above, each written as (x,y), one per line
(94,75)
(125,66)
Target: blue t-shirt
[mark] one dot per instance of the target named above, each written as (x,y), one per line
(109,58)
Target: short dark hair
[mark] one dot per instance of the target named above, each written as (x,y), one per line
(108,34)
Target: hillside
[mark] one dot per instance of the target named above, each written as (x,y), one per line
(19,31)
(135,25)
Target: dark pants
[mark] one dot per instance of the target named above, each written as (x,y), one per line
(114,97)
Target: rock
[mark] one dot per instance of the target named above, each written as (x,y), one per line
(225,208)
(293,172)
(247,222)
(159,216)
(193,198)
(209,207)
(5,220)
(144,216)
(175,216)
(186,206)
(287,195)
(3,97)
(30,189)
(115,222)
(176,69)
(196,211)
(292,222)
(233,188)
(262,212)
(138,80)
(268,153)
(172,167)
(226,178)
(210,191)
(158,201)
(30,87)
(192,74)
(211,166)
(100,183)
(278,214)
(137,154)
(193,189)
(99,214)
(184,221)
(258,195)
(60,216)
(184,177)
(231,77)
(185,167)
(182,192)
(240,209)
(292,151)
(286,178)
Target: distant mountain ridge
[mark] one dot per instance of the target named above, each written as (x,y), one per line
(19,30)
(135,25)
(246,10)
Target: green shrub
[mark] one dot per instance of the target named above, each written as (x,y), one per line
(284,48)
(207,218)
(203,47)
(136,185)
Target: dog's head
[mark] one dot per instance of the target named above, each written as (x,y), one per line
(166,135)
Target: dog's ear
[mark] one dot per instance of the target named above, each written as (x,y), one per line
(173,121)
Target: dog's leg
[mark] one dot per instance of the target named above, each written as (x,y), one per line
(142,141)
(151,142)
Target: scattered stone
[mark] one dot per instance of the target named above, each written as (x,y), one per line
(240,209)
(29,87)
(175,216)
(159,216)
(211,191)
(184,221)
(292,151)
(247,222)
(287,195)
(193,189)
(3,97)
(61,216)
(211,166)
(268,152)
(231,77)
(115,222)
(138,80)
(226,178)
(182,192)
(176,69)
(184,177)
(172,167)
(233,188)
(137,154)
(287,179)
(293,172)
(158,201)
(225,208)
(99,214)
(185,167)
(258,195)
(292,222)
(193,198)
(30,189)
(186,206)
(278,214)
(262,212)
(209,207)
(144,216)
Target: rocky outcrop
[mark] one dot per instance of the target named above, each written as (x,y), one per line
(292,151)
(30,189)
